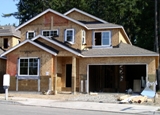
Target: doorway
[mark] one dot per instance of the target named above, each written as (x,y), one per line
(68,75)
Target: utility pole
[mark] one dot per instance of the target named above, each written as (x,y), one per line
(156,30)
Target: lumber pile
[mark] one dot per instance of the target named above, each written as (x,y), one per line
(133,99)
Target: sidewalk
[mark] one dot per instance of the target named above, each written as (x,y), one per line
(123,108)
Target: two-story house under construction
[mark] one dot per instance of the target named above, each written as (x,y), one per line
(77,51)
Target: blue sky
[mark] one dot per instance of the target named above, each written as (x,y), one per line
(8,6)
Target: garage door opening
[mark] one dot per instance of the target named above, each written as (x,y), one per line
(115,78)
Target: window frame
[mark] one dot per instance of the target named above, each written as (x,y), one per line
(38,66)
(83,37)
(110,37)
(34,34)
(50,33)
(73,36)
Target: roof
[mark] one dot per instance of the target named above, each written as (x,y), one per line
(102,26)
(85,13)
(9,31)
(121,50)
(29,41)
(60,44)
(53,11)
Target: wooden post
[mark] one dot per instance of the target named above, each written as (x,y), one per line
(55,76)
(74,75)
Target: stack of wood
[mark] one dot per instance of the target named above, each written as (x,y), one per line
(133,99)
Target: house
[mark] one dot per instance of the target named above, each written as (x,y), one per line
(8,38)
(77,51)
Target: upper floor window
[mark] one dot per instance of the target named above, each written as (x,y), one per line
(69,35)
(5,43)
(28,66)
(102,38)
(50,33)
(30,34)
(83,37)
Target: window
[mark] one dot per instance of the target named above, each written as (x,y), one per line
(102,38)
(28,66)
(83,37)
(50,33)
(69,35)
(30,34)
(5,43)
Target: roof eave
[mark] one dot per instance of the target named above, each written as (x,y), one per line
(146,55)
(51,41)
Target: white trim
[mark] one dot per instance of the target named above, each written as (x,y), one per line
(56,43)
(126,35)
(99,46)
(38,67)
(50,32)
(83,32)
(73,36)
(53,11)
(30,32)
(85,13)
(26,41)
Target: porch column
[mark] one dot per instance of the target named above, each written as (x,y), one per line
(74,75)
(55,76)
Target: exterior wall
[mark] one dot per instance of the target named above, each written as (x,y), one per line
(150,61)
(2,70)
(114,35)
(28,50)
(78,16)
(15,41)
(45,23)
(121,38)
(12,41)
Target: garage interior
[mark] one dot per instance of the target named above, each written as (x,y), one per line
(116,78)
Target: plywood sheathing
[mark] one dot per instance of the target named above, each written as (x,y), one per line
(12,41)
(29,50)
(114,35)
(150,61)
(78,16)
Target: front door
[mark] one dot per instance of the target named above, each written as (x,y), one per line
(68,75)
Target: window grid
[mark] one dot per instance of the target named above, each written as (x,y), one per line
(28,66)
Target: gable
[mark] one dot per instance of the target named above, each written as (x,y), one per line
(79,16)
(31,42)
(85,15)
(47,20)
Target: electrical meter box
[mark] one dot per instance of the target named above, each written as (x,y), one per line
(6,80)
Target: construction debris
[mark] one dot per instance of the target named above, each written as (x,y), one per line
(94,94)
(122,97)
(132,99)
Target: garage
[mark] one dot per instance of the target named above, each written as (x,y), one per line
(117,78)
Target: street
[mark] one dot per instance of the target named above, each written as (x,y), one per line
(13,109)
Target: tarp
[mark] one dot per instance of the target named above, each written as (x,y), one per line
(148,92)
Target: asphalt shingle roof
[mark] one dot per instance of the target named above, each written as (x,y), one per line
(106,25)
(121,50)
(9,31)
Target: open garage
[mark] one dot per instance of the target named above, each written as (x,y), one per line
(117,78)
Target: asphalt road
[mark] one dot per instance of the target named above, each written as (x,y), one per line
(14,109)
